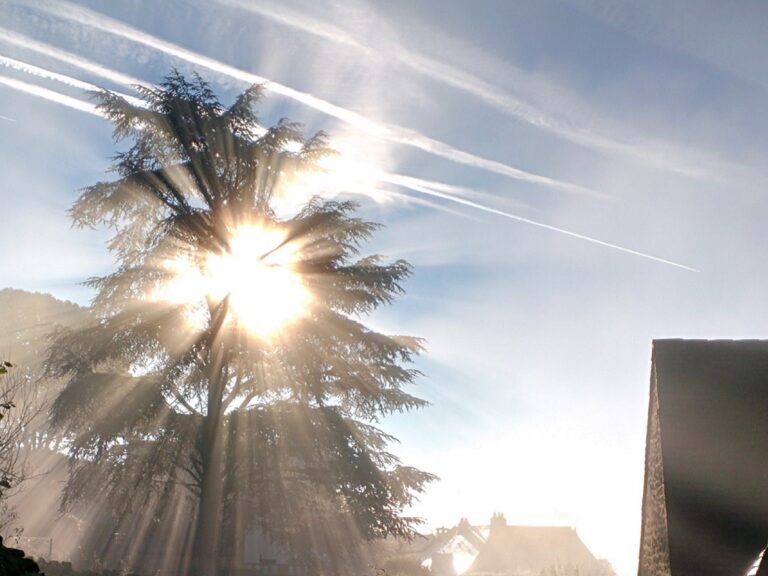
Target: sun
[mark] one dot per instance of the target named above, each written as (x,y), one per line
(256,276)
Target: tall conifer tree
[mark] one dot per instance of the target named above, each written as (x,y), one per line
(229,359)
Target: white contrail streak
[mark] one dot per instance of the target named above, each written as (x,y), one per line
(43,73)
(418,185)
(64,79)
(7,118)
(298,21)
(68,58)
(392,133)
(460,79)
(50,95)
(407,183)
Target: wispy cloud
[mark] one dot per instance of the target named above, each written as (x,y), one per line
(390,132)
(50,95)
(299,20)
(467,82)
(739,28)
(56,53)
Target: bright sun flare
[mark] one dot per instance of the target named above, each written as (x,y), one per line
(257,275)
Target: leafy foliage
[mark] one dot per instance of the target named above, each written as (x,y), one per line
(153,404)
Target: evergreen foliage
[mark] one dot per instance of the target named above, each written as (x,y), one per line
(273,435)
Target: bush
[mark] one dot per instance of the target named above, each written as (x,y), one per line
(14,563)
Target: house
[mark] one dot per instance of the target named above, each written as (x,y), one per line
(705,498)
(500,548)
(453,550)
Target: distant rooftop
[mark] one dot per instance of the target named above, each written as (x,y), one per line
(531,549)
(502,548)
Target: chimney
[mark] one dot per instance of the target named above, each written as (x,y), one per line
(498,522)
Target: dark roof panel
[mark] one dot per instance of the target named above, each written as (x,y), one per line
(713,417)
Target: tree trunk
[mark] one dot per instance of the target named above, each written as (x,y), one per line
(206,543)
(205,551)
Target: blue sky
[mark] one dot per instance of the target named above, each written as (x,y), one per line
(636,132)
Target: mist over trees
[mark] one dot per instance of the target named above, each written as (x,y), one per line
(185,425)
(27,320)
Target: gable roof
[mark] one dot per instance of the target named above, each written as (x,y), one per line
(531,549)
(705,501)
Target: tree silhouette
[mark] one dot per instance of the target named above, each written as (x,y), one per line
(171,389)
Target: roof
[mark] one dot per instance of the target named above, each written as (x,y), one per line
(532,548)
(705,498)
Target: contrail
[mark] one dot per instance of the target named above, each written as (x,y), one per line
(462,80)
(415,184)
(397,180)
(299,21)
(64,79)
(43,73)
(7,118)
(57,97)
(389,132)
(22,41)
(85,106)
(418,185)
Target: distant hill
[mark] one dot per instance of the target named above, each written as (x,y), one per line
(27,319)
